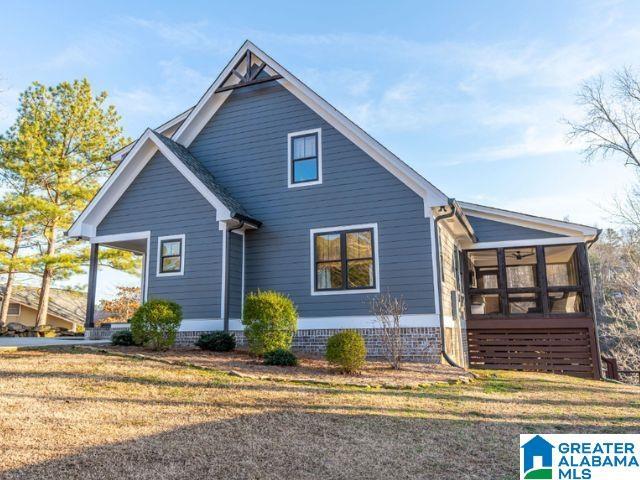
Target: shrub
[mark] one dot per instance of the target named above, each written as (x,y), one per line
(123,338)
(270,320)
(217,342)
(280,357)
(347,351)
(156,324)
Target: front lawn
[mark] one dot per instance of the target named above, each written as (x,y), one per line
(65,414)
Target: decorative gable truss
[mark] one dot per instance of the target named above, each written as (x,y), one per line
(249,66)
(142,151)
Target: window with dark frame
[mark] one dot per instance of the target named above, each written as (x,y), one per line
(543,280)
(344,260)
(14,309)
(304,158)
(171,255)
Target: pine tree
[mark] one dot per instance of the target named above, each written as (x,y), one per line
(63,138)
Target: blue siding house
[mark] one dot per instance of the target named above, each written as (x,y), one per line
(264,185)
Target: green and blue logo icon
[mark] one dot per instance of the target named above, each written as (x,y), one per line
(537,459)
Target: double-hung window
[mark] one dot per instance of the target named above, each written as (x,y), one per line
(305,158)
(171,255)
(345,261)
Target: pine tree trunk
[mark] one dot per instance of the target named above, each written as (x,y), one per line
(4,312)
(47,278)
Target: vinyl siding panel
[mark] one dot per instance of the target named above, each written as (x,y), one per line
(492,231)
(162,201)
(245,147)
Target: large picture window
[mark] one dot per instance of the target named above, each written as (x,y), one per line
(344,260)
(171,255)
(543,280)
(305,158)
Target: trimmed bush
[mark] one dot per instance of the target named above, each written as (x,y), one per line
(281,358)
(156,324)
(346,350)
(270,320)
(123,338)
(217,342)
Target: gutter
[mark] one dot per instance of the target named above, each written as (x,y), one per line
(594,239)
(443,350)
(225,320)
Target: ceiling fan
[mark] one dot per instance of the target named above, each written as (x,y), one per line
(520,256)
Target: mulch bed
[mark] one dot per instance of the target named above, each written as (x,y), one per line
(310,369)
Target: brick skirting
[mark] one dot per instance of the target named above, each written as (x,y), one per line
(421,344)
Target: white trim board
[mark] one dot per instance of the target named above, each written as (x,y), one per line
(115,186)
(528,221)
(342,228)
(416,320)
(526,243)
(183,254)
(120,237)
(211,102)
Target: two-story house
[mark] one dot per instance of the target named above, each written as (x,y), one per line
(264,185)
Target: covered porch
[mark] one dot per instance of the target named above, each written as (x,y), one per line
(529,307)
(137,243)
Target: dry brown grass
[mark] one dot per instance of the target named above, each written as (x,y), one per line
(66,415)
(315,369)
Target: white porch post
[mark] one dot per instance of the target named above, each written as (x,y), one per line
(91,293)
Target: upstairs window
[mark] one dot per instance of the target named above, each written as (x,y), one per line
(171,255)
(305,158)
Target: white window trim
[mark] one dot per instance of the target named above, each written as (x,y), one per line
(376,259)
(290,136)
(19,309)
(183,251)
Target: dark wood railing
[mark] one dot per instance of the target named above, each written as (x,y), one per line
(613,372)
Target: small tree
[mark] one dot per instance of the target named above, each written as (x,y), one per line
(123,306)
(388,311)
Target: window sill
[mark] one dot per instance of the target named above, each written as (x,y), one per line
(345,292)
(169,274)
(305,184)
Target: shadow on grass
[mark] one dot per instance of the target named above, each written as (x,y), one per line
(292,444)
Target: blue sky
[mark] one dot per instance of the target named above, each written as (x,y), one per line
(471,94)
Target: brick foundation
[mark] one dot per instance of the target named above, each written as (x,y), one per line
(421,344)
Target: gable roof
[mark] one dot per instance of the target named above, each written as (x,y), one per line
(212,100)
(65,304)
(167,129)
(235,209)
(143,150)
(530,221)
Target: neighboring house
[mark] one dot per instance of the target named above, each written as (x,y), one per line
(67,309)
(265,185)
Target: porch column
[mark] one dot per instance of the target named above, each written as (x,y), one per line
(91,292)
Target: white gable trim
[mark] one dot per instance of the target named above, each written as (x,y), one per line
(115,186)
(529,221)
(210,102)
